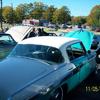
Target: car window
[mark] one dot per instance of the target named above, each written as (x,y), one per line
(75,51)
(45,53)
(6,40)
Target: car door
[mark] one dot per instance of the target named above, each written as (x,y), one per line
(79,58)
(74,79)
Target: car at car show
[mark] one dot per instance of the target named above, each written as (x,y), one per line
(95,42)
(7,43)
(14,35)
(22,32)
(11,37)
(45,68)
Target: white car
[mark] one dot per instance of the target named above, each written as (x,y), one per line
(19,33)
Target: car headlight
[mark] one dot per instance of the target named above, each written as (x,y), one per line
(44,90)
(29,92)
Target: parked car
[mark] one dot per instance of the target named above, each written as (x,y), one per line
(95,42)
(97,29)
(51,34)
(40,70)
(11,37)
(20,33)
(6,45)
(64,26)
(16,34)
(96,46)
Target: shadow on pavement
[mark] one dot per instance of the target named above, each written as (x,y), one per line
(87,90)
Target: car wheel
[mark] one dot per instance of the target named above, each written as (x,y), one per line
(57,94)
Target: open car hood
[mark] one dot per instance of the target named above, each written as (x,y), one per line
(19,32)
(85,36)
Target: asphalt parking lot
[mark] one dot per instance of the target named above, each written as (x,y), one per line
(88,90)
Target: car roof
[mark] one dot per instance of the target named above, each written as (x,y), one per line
(54,41)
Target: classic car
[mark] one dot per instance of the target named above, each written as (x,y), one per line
(22,32)
(96,47)
(44,68)
(6,45)
(11,37)
(95,42)
(91,41)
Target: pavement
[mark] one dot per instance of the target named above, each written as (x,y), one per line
(88,89)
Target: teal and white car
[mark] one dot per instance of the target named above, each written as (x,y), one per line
(45,68)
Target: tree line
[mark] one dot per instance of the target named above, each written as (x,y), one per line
(39,10)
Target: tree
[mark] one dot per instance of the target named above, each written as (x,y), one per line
(29,8)
(78,20)
(38,9)
(48,14)
(94,17)
(22,12)
(61,15)
(8,14)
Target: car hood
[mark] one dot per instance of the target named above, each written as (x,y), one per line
(16,73)
(85,36)
(19,32)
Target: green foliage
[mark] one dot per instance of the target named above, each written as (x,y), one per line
(78,20)
(94,16)
(48,13)
(38,9)
(61,15)
(22,12)
(8,14)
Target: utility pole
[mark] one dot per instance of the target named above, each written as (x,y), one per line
(12,15)
(1,16)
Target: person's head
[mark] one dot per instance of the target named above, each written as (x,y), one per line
(42,30)
(33,29)
(39,30)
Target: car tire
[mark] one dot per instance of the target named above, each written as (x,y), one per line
(57,94)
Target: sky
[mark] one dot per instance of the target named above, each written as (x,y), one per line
(77,7)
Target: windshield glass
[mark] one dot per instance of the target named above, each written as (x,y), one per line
(45,53)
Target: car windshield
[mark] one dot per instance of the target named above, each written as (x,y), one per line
(45,53)
(6,40)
